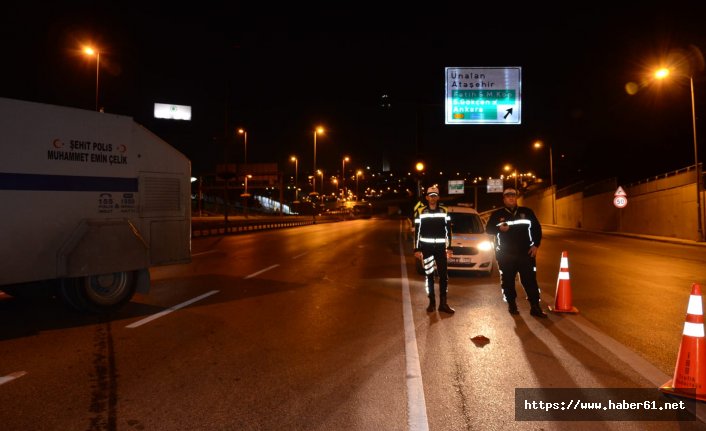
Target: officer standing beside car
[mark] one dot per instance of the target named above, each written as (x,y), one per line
(432,245)
(518,235)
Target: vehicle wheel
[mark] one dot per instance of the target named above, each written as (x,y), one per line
(99,293)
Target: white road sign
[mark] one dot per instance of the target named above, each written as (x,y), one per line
(495,185)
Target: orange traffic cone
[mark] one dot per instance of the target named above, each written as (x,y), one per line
(562,300)
(689,375)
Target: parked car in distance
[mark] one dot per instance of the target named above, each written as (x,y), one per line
(472,247)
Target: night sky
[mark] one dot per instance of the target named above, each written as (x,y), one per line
(280,74)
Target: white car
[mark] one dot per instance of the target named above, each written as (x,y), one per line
(472,247)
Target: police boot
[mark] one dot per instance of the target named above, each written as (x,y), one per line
(432,305)
(512,307)
(445,307)
(536,310)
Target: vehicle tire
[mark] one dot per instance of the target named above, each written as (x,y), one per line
(99,293)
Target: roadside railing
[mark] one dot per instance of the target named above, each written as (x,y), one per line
(209,226)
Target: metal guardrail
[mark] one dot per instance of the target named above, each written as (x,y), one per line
(217,226)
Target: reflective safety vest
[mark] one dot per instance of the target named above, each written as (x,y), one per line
(432,226)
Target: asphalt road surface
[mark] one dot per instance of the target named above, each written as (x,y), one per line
(324,327)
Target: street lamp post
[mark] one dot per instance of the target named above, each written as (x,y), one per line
(92,51)
(661,74)
(296,177)
(246,195)
(419,166)
(316,132)
(343,175)
(539,144)
(320,172)
(696,162)
(358,173)
(245,144)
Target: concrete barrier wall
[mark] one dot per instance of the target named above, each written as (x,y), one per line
(670,212)
(541,204)
(600,214)
(662,207)
(569,210)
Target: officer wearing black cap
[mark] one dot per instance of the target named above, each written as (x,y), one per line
(432,245)
(517,237)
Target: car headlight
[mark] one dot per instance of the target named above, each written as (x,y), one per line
(485,246)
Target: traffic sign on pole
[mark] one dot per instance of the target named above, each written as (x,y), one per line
(483,95)
(620,199)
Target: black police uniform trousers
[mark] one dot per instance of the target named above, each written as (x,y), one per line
(438,250)
(512,263)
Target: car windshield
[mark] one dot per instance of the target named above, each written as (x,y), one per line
(466,223)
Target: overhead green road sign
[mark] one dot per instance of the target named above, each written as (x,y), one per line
(483,95)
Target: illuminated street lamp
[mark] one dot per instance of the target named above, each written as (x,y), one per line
(358,173)
(296,177)
(508,168)
(319,130)
(538,144)
(662,74)
(419,166)
(246,195)
(93,51)
(245,144)
(343,174)
(320,172)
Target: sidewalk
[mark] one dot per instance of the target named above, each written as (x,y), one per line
(638,236)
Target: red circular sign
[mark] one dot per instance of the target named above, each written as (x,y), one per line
(620,201)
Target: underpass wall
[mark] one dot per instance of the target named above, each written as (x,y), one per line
(541,204)
(569,210)
(660,206)
(670,212)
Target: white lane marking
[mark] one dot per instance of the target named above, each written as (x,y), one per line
(12,376)
(262,270)
(300,255)
(416,404)
(170,309)
(204,252)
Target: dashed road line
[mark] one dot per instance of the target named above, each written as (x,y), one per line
(170,309)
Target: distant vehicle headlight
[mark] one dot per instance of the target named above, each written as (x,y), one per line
(485,246)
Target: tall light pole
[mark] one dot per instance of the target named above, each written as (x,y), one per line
(539,144)
(661,74)
(319,130)
(419,167)
(245,144)
(296,177)
(320,172)
(93,51)
(343,175)
(358,173)
(246,195)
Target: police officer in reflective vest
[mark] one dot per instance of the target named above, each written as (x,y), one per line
(432,244)
(517,237)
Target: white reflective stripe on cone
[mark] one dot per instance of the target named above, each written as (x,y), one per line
(694,329)
(564,262)
(695,305)
(564,276)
